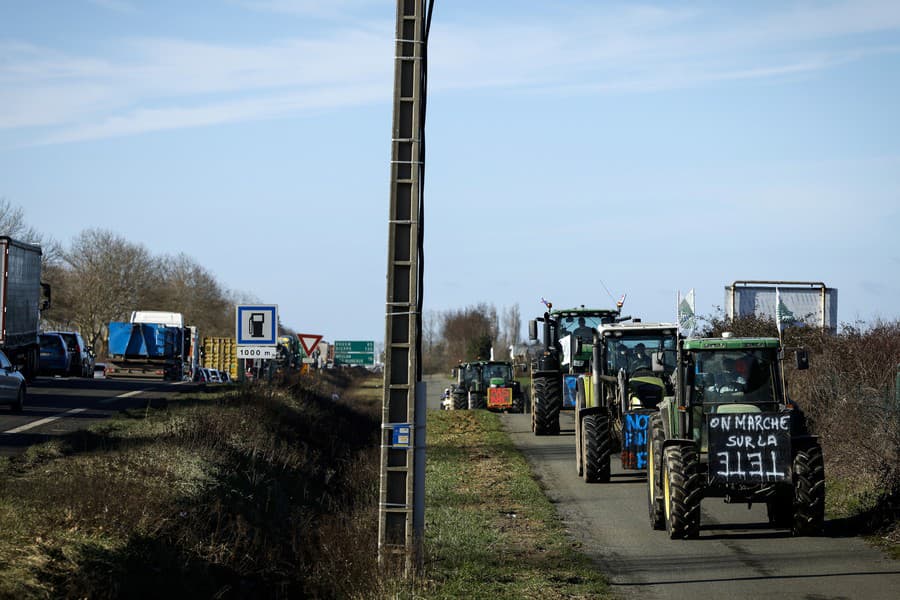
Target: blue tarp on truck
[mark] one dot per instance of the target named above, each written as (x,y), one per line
(146,350)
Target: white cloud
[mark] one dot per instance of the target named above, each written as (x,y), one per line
(152,83)
(316,8)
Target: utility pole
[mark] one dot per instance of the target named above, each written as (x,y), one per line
(401,511)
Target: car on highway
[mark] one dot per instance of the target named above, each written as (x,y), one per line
(82,363)
(12,385)
(55,357)
(99,370)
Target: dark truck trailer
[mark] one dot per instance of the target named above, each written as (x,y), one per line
(153,350)
(21,303)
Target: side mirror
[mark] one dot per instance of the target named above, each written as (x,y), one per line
(532,330)
(802,360)
(656,362)
(579,346)
(453,373)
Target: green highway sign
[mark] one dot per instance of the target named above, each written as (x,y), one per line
(354,352)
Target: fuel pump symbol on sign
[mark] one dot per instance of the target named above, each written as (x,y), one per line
(257,320)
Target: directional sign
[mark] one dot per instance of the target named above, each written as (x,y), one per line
(309,341)
(256,325)
(354,352)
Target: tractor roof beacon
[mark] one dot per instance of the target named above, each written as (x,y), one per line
(730,431)
(631,368)
(565,354)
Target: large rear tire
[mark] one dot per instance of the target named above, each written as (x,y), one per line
(654,468)
(547,402)
(595,445)
(809,491)
(682,492)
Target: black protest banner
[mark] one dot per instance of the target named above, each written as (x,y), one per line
(749,447)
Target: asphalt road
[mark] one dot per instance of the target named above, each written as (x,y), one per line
(738,555)
(59,405)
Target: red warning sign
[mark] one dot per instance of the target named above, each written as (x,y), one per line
(309,341)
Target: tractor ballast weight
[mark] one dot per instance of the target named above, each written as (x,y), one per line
(730,431)
(631,371)
(565,353)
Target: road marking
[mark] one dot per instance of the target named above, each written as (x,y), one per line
(125,395)
(74,411)
(40,422)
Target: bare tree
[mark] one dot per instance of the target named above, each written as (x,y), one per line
(466,332)
(108,277)
(14,225)
(189,288)
(512,325)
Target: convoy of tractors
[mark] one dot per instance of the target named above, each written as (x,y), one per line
(703,417)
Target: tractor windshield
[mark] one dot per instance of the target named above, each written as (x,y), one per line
(497,372)
(635,352)
(734,376)
(472,373)
(582,326)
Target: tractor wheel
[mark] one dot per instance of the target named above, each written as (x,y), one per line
(595,448)
(547,402)
(459,400)
(518,404)
(809,491)
(682,492)
(654,465)
(476,401)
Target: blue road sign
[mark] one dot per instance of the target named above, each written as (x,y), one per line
(256,325)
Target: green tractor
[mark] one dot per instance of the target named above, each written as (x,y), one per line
(631,372)
(730,431)
(486,384)
(566,353)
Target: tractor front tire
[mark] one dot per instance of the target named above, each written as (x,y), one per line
(547,402)
(595,448)
(459,400)
(518,403)
(657,510)
(809,491)
(476,401)
(682,492)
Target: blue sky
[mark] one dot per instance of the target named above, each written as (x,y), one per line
(573,147)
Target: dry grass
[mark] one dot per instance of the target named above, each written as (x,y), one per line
(261,492)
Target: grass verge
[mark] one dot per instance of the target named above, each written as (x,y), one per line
(490,530)
(238,493)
